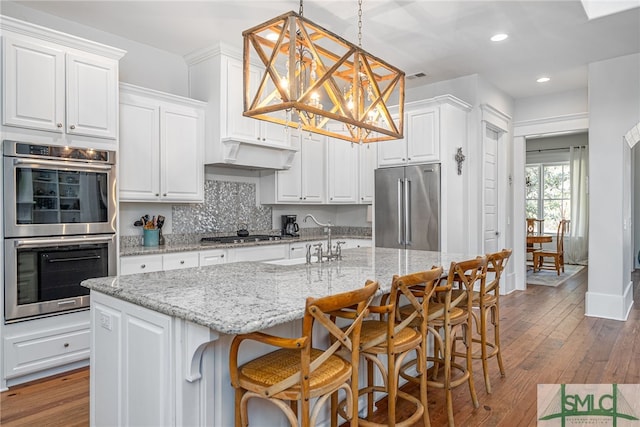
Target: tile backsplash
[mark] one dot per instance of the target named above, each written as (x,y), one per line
(226,206)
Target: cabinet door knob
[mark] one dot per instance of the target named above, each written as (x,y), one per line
(66,345)
(157,194)
(72,127)
(59,125)
(143,266)
(222,256)
(164,194)
(409,158)
(264,139)
(182,262)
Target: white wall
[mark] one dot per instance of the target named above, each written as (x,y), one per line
(554,105)
(614,91)
(143,65)
(636,222)
(464,88)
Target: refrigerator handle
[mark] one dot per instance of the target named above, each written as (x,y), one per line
(400,218)
(407,211)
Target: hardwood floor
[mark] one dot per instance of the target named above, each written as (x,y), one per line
(62,400)
(546,339)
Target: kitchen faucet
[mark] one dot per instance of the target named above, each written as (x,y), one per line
(329,254)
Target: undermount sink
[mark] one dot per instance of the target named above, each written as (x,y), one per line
(292,261)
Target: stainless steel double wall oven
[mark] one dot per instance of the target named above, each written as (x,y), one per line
(59,226)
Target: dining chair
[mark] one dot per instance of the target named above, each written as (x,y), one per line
(298,371)
(556,256)
(535,227)
(396,339)
(486,302)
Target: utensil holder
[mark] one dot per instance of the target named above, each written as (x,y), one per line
(150,237)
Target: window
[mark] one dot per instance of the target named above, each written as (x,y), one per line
(548,193)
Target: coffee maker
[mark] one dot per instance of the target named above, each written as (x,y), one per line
(289,226)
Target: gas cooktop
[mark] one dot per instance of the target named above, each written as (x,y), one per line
(236,239)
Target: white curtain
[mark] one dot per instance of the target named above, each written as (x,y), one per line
(577,248)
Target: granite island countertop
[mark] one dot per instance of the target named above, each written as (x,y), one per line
(251,296)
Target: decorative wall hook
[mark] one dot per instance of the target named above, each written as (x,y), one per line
(459,158)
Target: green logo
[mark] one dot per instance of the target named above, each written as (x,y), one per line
(589,404)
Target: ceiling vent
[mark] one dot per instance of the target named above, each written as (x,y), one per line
(417,75)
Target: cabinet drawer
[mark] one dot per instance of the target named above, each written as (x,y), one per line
(180,260)
(261,253)
(213,257)
(140,264)
(35,352)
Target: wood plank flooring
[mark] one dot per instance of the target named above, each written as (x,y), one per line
(545,336)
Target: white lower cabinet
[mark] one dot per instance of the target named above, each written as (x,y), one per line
(259,253)
(178,260)
(131,354)
(140,264)
(356,243)
(42,344)
(213,257)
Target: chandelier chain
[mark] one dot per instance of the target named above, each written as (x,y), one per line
(360,23)
(301,9)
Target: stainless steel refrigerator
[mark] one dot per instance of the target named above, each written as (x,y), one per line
(407,207)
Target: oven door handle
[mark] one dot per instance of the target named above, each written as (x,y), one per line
(80,258)
(38,243)
(55,163)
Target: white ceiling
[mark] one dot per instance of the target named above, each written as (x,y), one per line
(444,39)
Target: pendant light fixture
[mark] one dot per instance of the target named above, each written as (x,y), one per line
(298,74)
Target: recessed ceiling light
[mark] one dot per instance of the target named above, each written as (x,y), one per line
(499,37)
(543,79)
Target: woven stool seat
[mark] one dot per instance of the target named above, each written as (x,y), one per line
(277,366)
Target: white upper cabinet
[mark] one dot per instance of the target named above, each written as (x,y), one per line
(425,123)
(367,166)
(161,146)
(92,93)
(58,83)
(342,171)
(304,181)
(216,76)
(33,85)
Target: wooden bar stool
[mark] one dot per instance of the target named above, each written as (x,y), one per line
(298,372)
(487,302)
(397,340)
(450,320)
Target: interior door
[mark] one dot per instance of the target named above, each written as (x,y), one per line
(490,188)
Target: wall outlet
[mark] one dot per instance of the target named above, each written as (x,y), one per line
(105,321)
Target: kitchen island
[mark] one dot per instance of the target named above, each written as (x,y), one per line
(160,341)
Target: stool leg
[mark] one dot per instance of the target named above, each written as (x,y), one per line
(472,387)
(483,347)
(422,368)
(447,374)
(369,384)
(495,319)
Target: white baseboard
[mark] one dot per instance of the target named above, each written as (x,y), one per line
(608,306)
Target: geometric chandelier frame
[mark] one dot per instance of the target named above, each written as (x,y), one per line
(298,74)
